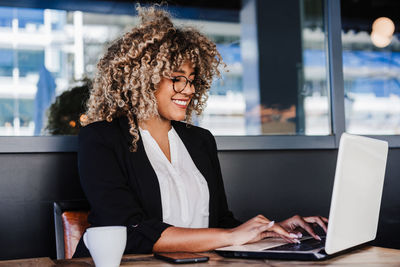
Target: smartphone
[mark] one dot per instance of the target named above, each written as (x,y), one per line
(181,257)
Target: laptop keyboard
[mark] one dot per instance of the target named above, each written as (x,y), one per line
(305,245)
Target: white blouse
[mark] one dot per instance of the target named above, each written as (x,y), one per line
(184,191)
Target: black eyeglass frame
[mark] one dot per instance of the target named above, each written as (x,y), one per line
(174,80)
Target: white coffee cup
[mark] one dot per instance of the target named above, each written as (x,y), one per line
(106,244)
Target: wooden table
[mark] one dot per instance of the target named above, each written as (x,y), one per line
(367,256)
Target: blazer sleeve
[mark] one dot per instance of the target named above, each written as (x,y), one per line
(225,216)
(112,200)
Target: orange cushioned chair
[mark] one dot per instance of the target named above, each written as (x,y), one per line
(70,219)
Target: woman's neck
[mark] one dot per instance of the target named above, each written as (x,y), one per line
(158,129)
(156,126)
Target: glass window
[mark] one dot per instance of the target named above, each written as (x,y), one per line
(371,67)
(54,48)
(6,17)
(28,17)
(313,93)
(29,62)
(32,56)
(6,62)
(281,80)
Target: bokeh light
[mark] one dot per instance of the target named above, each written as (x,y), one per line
(382,32)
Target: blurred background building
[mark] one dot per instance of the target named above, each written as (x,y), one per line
(44,52)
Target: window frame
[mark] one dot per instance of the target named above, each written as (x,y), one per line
(332,17)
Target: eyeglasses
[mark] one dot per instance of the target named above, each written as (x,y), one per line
(179,83)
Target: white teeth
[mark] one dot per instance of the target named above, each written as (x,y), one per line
(179,102)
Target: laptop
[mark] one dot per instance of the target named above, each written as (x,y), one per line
(354,211)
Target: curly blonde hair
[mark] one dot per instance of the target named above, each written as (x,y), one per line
(134,64)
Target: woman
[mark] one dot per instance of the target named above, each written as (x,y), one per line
(143,168)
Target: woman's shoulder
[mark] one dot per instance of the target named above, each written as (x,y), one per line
(191,129)
(100,126)
(103,129)
(194,134)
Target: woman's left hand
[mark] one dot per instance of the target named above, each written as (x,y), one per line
(298,224)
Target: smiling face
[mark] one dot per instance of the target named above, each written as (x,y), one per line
(172,105)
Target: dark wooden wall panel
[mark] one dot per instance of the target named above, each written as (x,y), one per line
(279,183)
(29,184)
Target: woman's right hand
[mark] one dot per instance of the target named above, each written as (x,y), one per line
(259,228)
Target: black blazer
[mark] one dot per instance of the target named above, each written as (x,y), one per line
(122,187)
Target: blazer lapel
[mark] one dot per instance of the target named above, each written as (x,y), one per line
(196,148)
(145,176)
